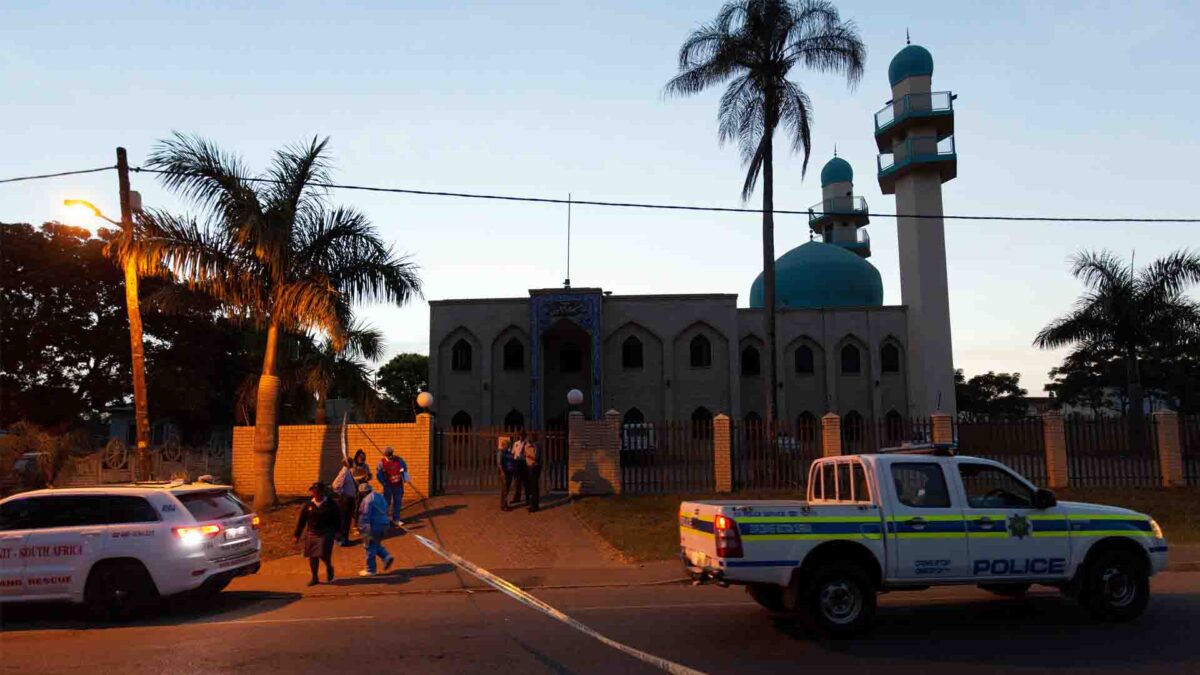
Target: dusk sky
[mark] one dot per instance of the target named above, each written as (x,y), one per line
(1064,109)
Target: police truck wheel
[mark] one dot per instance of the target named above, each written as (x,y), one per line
(1007,590)
(769,596)
(116,589)
(841,599)
(1117,587)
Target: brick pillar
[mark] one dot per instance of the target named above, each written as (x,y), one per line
(943,428)
(425,432)
(1055,439)
(831,435)
(612,449)
(1170,453)
(722,454)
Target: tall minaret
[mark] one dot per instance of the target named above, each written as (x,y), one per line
(840,215)
(915,133)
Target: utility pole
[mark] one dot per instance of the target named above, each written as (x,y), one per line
(140,407)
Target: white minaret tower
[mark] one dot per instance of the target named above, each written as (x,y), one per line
(915,134)
(840,216)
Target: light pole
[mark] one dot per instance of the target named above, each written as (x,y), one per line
(141,411)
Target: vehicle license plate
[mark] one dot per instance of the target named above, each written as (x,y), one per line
(235,533)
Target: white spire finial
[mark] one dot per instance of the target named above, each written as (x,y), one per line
(907,39)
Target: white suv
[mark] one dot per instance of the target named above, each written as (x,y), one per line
(115,547)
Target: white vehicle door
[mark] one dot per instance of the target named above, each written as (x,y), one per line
(1007,537)
(14,530)
(925,527)
(66,537)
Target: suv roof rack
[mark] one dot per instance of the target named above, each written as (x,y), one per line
(935,449)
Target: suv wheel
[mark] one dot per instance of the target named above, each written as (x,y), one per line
(116,589)
(1116,586)
(841,599)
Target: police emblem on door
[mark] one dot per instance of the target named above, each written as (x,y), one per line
(1018,526)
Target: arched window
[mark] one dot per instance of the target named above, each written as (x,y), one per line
(750,361)
(461,420)
(570,358)
(631,353)
(851,360)
(702,420)
(634,416)
(701,352)
(514,420)
(460,356)
(893,426)
(852,431)
(806,427)
(889,358)
(514,355)
(804,360)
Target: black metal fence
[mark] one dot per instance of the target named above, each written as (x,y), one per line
(465,460)
(1018,443)
(664,457)
(762,463)
(1105,452)
(1189,441)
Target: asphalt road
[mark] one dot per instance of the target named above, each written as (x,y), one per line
(711,629)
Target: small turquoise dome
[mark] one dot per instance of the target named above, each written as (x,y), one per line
(822,275)
(836,170)
(911,61)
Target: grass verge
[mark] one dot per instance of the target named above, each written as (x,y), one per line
(645,527)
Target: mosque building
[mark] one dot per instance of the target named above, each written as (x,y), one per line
(511,361)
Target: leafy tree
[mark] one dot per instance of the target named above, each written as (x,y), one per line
(1141,317)
(753,45)
(64,345)
(990,395)
(402,378)
(341,372)
(273,253)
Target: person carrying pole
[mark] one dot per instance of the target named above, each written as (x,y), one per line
(392,474)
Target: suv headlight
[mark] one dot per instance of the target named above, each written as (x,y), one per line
(1156,529)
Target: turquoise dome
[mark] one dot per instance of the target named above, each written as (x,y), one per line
(836,170)
(911,61)
(822,275)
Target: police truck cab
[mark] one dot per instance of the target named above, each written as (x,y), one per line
(116,547)
(909,519)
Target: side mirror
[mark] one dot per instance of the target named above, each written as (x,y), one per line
(1044,499)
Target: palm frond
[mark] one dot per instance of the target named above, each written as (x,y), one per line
(215,181)
(1168,277)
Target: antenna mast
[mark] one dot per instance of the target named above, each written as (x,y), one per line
(567,281)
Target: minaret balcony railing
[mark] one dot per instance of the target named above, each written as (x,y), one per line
(923,110)
(835,207)
(918,151)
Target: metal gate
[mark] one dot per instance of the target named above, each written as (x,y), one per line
(464,459)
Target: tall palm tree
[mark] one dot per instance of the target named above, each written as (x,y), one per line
(274,252)
(753,45)
(1136,314)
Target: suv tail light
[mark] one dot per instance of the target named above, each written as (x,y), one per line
(729,542)
(197,533)
(255,522)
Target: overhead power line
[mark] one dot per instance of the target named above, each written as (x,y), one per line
(645,205)
(56,175)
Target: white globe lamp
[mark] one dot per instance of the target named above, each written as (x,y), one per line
(574,397)
(425,400)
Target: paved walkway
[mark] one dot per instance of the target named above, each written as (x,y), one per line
(550,548)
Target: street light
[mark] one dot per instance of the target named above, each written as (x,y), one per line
(83,203)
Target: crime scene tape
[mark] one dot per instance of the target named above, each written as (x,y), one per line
(526,599)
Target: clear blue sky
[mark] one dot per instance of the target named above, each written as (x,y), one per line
(1063,109)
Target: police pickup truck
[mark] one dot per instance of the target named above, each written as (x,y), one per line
(914,518)
(118,546)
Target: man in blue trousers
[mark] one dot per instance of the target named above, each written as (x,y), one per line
(373,524)
(392,474)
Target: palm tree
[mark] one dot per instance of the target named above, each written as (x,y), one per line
(274,253)
(326,369)
(1136,314)
(753,44)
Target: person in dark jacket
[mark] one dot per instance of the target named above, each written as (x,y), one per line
(533,472)
(319,522)
(508,471)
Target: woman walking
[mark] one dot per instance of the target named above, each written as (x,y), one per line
(318,523)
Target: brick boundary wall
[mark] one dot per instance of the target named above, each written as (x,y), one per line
(1170,451)
(831,435)
(312,452)
(1055,440)
(594,455)
(722,454)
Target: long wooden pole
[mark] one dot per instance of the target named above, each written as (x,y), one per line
(141,409)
